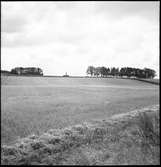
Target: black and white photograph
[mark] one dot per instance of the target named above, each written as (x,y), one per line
(80,83)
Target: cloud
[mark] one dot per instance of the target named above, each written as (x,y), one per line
(69,36)
(13,24)
(147,10)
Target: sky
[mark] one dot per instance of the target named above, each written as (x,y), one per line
(62,37)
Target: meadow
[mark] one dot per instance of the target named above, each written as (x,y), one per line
(33,105)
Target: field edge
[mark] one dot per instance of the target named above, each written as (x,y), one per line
(90,143)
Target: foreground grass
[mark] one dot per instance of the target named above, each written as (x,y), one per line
(131,138)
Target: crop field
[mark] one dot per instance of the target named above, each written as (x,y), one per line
(33,105)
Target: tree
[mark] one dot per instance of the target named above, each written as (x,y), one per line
(113,71)
(97,71)
(108,71)
(149,73)
(103,71)
(117,71)
(13,71)
(129,71)
(90,70)
(124,71)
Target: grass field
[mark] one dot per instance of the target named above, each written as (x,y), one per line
(33,105)
(153,81)
(131,138)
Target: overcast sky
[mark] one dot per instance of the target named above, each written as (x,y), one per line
(67,37)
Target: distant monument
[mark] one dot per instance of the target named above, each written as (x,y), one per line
(66,75)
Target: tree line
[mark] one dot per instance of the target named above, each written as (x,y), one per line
(27,71)
(125,71)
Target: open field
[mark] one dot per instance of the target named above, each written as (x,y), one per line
(33,105)
(153,81)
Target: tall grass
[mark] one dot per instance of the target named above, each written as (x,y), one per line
(149,128)
(130,139)
(150,136)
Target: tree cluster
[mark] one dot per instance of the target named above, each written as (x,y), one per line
(125,71)
(27,71)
